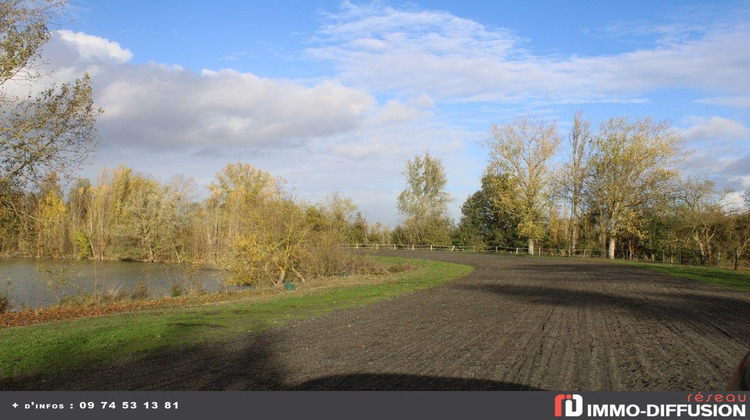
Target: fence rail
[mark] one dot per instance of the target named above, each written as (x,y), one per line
(680,258)
(458,248)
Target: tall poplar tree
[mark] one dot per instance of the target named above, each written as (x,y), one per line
(424,202)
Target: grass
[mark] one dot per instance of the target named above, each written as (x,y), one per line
(52,348)
(712,275)
(723,277)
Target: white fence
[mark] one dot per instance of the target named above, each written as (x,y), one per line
(491,249)
(449,248)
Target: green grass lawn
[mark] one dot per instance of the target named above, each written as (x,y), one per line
(58,346)
(712,275)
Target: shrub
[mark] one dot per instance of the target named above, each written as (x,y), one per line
(360,266)
(401,267)
(4,302)
(112,293)
(324,256)
(140,292)
(176,290)
(82,246)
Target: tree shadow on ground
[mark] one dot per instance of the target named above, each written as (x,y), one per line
(726,315)
(242,364)
(249,364)
(404,382)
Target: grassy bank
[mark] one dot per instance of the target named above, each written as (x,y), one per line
(51,348)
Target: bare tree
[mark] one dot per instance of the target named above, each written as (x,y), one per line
(522,149)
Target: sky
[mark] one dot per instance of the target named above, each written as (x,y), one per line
(336,96)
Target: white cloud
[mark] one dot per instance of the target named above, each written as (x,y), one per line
(91,47)
(715,129)
(721,152)
(158,106)
(396,111)
(730,101)
(457,59)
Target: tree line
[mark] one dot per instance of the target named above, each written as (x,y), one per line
(248,224)
(618,193)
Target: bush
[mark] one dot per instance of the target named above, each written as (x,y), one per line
(4,303)
(140,292)
(82,246)
(324,256)
(401,267)
(361,266)
(111,294)
(176,290)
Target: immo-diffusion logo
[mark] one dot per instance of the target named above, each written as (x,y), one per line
(569,404)
(717,405)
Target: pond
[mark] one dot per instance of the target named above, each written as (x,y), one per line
(34,283)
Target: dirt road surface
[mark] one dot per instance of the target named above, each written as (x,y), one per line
(516,323)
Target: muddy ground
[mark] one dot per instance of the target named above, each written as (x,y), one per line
(516,323)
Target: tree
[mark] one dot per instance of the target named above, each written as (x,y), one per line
(272,247)
(738,231)
(486,219)
(522,149)
(632,167)
(78,200)
(262,230)
(52,131)
(148,217)
(106,227)
(235,196)
(338,214)
(424,202)
(50,220)
(574,175)
(179,194)
(701,215)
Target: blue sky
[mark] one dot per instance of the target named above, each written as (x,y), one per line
(336,96)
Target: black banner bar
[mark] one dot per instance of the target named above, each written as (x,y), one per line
(373,405)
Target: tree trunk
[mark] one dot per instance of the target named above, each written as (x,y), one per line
(574,240)
(611,250)
(736,258)
(631,249)
(531,247)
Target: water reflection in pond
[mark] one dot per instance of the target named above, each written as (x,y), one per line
(37,283)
